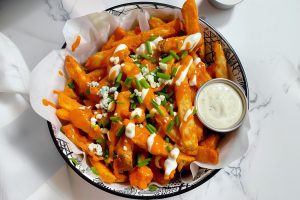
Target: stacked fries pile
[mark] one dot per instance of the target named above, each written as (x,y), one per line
(131,106)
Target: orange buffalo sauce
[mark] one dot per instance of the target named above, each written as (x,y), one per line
(76,43)
(46,102)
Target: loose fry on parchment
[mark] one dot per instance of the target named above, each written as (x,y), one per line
(77,73)
(219,68)
(166,30)
(207,150)
(118,34)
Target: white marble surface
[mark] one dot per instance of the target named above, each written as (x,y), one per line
(264,35)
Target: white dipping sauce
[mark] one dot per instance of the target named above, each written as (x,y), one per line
(219,105)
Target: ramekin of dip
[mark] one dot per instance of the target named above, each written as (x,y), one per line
(221,105)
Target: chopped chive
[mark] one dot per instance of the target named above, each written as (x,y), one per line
(128,81)
(144,83)
(174,55)
(168,149)
(148,47)
(156,106)
(163,76)
(170,126)
(142,66)
(153,187)
(94,170)
(144,162)
(155,71)
(136,62)
(87,92)
(194,111)
(140,100)
(138,84)
(115,119)
(173,72)
(94,126)
(167,139)
(146,56)
(132,95)
(136,116)
(166,59)
(150,115)
(164,102)
(176,120)
(101,141)
(119,77)
(71,84)
(152,37)
(184,53)
(162,93)
(171,111)
(120,131)
(133,106)
(151,128)
(105,153)
(74,161)
(153,60)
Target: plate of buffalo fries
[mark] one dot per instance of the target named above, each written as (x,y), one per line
(125,118)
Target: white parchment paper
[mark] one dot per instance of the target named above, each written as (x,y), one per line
(94,30)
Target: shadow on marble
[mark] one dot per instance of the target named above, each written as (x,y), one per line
(216,17)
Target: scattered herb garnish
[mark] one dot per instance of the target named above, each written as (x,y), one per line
(152,187)
(71,84)
(184,53)
(128,81)
(141,163)
(174,55)
(166,59)
(120,131)
(176,120)
(170,126)
(115,119)
(148,47)
(74,161)
(94,170)
(151,128)
(163,76)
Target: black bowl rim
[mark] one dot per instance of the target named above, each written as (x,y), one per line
(214,172)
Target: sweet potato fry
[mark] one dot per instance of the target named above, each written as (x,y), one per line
(104,173)
(82,119)
(63,114)
(155,22)
(77,73)
(220,67)
(166,30)
(67,103)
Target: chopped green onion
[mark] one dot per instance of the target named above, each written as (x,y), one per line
(128,81)
(168,149)
(105,153)
(115,119)
(120,131)
(134,56)
(150,115)
(156,106)
(194,111)
(94,170)
(119,77)
(171,110)
(176,120)
(184,53)
(166,59)
(164,102)
(173,72)
(152,188)
(132,95)
(94,126)
(101,141)
(148,47)
(152,37)
(144,162)
(140,100)
(151,128)
(163,76)
(133,106)
(153,60)
(144,83)
(146,56)
(167,139)
(138,84)
(155,71)
(74,161)
(142,66)
(71,85)
(174,55)
(136,116)
(170,126)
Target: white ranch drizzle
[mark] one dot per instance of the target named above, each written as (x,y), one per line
(120,47)
(183,74)
(192,40)
(130,130)
(136,112)
(170,163)
(150,141)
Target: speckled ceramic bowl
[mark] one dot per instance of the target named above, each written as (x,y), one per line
(177,186)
